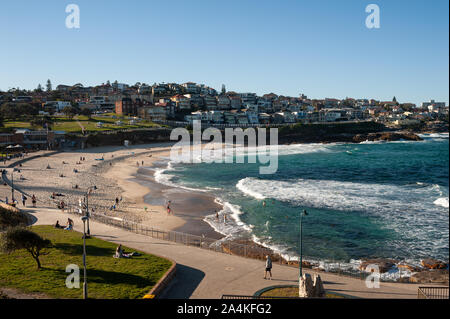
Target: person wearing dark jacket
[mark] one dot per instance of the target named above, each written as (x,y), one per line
(268,267)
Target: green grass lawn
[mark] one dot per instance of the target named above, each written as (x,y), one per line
(108,277)
(71,125)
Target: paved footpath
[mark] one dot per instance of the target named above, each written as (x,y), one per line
(207,274)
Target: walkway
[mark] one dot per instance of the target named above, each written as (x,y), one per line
(207,274)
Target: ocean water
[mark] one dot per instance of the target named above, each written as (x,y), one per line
(374,199)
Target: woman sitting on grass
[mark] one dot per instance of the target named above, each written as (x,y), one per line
(120,253)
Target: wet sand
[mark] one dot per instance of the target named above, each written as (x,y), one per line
(192,207)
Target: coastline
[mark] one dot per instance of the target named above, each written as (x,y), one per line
(140,189)
(320,265)
(189,208)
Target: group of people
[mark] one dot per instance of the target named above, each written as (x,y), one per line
(24,200)
(218,217)
(68,227)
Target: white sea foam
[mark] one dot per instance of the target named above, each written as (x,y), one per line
(346,196)
(434,135)
(162,177)
(410,210)
(442,201)
(234,226)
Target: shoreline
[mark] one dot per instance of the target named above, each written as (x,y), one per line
(139,186)
(189,208)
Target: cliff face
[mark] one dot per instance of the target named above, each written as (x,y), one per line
(134,136)
(299,133)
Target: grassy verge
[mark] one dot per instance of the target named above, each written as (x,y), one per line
(71,125)
(108,277)
(292,292)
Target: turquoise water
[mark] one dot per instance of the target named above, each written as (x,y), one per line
(387,199)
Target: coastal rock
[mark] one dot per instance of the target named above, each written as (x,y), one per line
(433,264)
(384,265)
(408,267)
(319,291)
(431,276)
(306,287)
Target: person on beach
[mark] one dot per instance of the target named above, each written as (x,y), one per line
(117,200)
(168,208)
(142,163)
(24,199)
(33,200)
(62,205)
(268,267)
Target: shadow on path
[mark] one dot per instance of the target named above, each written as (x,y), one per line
(184,284)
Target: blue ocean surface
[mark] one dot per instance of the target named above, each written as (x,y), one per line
(374,199)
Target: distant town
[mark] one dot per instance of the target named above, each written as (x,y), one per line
(143,105)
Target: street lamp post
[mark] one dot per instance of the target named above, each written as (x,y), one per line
(303,213)
(85,288)
(87,208)
(12,186)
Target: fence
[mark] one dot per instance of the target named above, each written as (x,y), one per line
(222,246)
(432,292)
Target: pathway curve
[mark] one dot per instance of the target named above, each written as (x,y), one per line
(208,274)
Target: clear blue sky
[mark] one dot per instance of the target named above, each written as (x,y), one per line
(319,48)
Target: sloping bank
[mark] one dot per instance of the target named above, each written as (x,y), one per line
(296,133)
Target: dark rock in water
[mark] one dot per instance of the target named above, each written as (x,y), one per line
(430,276)
(433,264)
(384,265)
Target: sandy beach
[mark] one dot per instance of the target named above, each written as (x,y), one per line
(124,173)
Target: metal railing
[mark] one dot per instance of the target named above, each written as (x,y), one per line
(222,246)
(432,292)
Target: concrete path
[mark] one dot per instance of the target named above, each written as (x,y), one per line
(207,274)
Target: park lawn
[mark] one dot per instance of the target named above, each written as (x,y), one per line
(108,277)
(292,292)
(70,125)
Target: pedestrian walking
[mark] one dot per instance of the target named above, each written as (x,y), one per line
(33,200)
(24,199)
(268,267)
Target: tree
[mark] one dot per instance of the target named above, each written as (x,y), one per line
(39,88)
(21,238)
(69,111)
(49,85)
(86,112)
